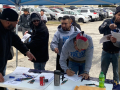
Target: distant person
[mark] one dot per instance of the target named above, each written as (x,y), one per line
(60,37)
(38,42)
(24,21)
(43,16)
(74,22)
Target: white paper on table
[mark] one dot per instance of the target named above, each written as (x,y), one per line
(49,76)
(25,37)
(104,38)
(11,81)
(20,70)
(116,35)
(73,78)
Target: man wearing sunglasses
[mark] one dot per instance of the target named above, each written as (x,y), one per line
(38,44)
(79,49)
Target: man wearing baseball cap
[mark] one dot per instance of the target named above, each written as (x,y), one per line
(79,49)
(8,21)
(110,52)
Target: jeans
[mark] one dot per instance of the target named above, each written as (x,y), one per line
(78,68)
(106,58)
(39,66)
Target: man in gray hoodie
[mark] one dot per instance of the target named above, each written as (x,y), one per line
(63,33)
(79,49)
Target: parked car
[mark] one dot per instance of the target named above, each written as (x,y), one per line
(60,8)
(78,17)
(90,12)
(55,10)
(102,14)
(110,13)
(52,14)
(46,13)
(78,10)
(73,7)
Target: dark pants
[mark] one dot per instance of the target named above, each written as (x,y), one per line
(58,67)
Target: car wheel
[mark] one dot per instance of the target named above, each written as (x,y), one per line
(59,19)
(81,20)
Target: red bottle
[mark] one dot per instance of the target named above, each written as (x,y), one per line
(42,80)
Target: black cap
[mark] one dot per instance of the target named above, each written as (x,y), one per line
(9,15)
(26,10)
(117,9)
(35,16)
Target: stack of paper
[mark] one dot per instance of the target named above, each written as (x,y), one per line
(25,37)
(73,78)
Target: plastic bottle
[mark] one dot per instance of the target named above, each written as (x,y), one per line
(101,80)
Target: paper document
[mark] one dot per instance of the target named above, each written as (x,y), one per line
(49,76)
(73,78)
(104,38)
(116,35)
(25,37)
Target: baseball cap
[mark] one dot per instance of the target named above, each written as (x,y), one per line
(81,42)
(9,15)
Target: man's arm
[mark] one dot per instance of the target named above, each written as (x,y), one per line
(104,27)
(63,57)
(17,43)
(89,55)
(55,41)
(20,21)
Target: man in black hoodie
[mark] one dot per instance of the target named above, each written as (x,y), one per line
(110,52)
(8,21)
(38,43)
(24,21)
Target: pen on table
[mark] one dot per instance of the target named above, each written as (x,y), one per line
(82,79)
(64,82)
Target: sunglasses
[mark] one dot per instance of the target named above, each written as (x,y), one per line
(36,20)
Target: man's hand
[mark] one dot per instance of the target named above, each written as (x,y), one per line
(108,37)
(56,50)
(113,40)
(85,76)
(25,32)
(1,78)
(112,26)
(70,72)
(30,56)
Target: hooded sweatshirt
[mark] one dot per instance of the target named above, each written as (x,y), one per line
(60,37)
(68,50)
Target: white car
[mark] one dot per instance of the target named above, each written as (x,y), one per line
(78,10)
(90,12)
(110,13)
(78,17)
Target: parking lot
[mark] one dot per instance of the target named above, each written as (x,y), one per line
(90,28)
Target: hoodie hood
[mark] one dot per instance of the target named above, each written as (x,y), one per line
(34,15)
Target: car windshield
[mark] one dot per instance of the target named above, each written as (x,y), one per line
(58,10)
(76,12)
(48,10)
(37,9)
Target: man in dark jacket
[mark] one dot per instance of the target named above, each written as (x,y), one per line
(38,44)
(110,52)
(8,21)
(74,22)
(24,21)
